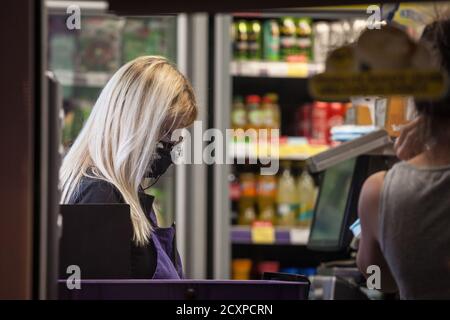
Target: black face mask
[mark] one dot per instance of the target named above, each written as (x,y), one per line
(162,161)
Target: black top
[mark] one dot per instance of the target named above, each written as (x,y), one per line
(96,191)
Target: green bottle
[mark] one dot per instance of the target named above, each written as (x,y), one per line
(254,40)
(304,38)
(271,39)
(287,37)
(241,34)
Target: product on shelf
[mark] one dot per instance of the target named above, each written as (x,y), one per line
(241,40)
(292,39)
(320,122)
(287,199)
(266,195)
(254,115)
(270,112)
(337,35)
(271,40)
(241,269)
(303,120)
(254,40)
(287,38)
(267,266)
(304,39)
(238,114)
(337,114)
(247,200)
(321,32)
(307,192)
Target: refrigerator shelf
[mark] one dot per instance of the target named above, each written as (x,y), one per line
(281,235)
(275,69)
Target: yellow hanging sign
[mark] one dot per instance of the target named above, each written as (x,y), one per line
(341,86)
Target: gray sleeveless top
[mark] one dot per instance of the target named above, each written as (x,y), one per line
(415,230)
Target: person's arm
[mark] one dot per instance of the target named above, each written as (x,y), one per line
(369,252)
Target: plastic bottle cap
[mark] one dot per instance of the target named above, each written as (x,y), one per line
(253,98)
(267,99)
(272,96)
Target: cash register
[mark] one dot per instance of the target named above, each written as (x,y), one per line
(344,170)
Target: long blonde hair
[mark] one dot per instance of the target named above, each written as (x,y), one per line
(142,102)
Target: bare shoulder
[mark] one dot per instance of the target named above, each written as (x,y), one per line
(370,197)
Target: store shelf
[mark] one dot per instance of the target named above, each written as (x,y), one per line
(294,149)
(274,69)
(282,235)
(88,79)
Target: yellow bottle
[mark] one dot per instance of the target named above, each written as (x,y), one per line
(307,193)
(266,194)
(247,212)
(287,199)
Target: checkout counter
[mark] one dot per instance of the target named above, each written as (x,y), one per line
(95,264)
(344,168)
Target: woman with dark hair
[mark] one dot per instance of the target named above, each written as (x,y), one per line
(405,212)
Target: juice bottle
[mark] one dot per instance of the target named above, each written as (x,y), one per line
(287,199)
(254,115)
(247,212)
(238,114)
(304,38)
(307,198)
(271,39)
(267,188)
(287,37)
(241,40)
(254,40)
(271,111)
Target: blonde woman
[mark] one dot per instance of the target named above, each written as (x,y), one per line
(125,140)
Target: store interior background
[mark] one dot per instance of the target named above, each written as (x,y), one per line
(216,51)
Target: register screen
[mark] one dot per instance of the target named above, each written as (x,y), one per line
(330,208)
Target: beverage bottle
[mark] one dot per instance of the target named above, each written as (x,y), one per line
(337,114)
(307,198)
(271,111)
(266,194)
(321,42)
(254,115)
(287,199)
(247,212)
(271,40)
(304,120)
(287,37)
(254,40)
(304,38)
(320,122)
(241,40)
(238,114)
